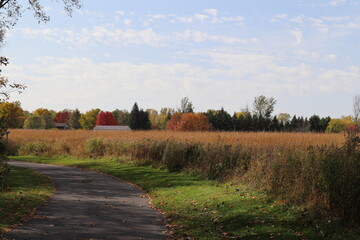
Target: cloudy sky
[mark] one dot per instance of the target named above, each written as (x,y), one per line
(110,54)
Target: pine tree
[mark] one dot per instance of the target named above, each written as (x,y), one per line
(74,119)
(135,117)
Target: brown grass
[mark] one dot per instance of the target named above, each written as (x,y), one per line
(78,137)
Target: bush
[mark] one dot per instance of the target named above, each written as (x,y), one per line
(95,147)
(37,148)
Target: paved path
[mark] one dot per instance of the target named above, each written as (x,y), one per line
(89,205)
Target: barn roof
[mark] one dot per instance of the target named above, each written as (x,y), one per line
(119,128)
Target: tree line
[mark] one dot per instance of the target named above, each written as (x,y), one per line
(183,118)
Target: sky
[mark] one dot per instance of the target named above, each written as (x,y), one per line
(111,54)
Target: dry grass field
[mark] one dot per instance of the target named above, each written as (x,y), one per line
(78,137)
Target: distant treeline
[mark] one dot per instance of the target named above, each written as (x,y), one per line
(180,119)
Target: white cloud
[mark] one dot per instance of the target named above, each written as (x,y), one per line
(279,17)
(201,17)
(90,13)
(310,55)
(110,35)
(185,19)
(331,57)
(127,22)
(157,16)
(119,12)
(349,25)
(297,19)
(198,36)
(315,56)
(211,11)
(228,19)
(297,34)
(335,3)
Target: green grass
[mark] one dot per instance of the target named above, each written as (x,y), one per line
(209,210)
(26,191)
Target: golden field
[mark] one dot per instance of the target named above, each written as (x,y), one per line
(77,137)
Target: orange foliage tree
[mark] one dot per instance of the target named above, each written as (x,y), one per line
(188,122)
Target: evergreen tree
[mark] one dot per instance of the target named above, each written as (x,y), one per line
(248,122)
(145,123)
(220,120)
(134,122)
(74,119)
(314,123)
(139,119)
(324,122)
(294,124)
(274,125)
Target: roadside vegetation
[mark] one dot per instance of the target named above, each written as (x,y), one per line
(25,191)
(196,208)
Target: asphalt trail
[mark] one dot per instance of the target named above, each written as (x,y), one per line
(89,205)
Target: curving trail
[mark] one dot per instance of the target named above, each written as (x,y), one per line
(89,205)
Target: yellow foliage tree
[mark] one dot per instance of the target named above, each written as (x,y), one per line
(337,125)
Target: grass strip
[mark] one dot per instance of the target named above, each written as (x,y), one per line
(200,209)
(26,191)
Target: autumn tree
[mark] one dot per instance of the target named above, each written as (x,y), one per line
(47,115)
(164,117)
(105,118)
(62,117)
(188,122)
(154,118)
(263,106)
(74,119)
(88,120)
(11,115)
(337,125)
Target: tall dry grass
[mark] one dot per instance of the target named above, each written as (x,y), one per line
(78,137)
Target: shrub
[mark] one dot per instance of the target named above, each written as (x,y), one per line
(95,147)
(37,148)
